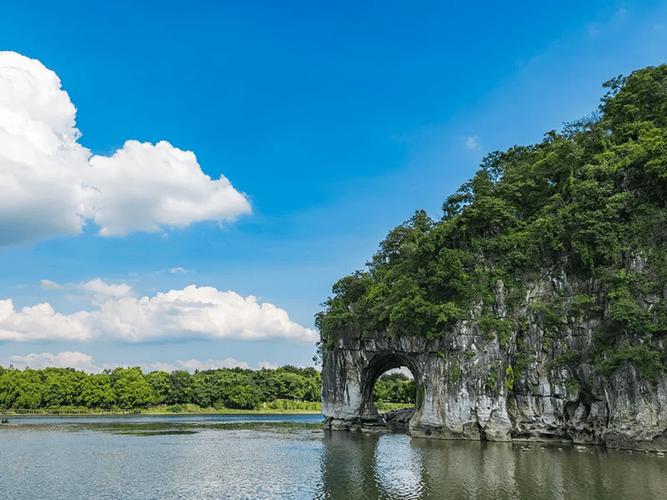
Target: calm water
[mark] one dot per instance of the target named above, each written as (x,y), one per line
(290,457)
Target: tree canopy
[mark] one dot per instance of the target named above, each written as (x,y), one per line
(130,388)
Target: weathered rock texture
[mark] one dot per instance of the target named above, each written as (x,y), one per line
(469,386)
(398,420)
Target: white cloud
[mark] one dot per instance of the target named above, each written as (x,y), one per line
(403,370)
(41,322)
(96,287)
(193,312)
(192,365)
(197,312)
(104,289)
(85,362)
(267,365)
(177,270)
(472,142)
(41,163)
(50,285)
(52,185)
(67,359)
(145,187)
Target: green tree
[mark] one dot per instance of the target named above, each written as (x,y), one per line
(131,388)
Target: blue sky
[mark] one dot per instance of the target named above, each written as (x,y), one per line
(337,121)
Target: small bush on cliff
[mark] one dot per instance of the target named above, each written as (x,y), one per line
(588,202)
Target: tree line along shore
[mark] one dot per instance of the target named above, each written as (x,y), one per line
(129,390)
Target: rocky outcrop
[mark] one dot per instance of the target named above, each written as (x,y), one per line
(398,420)
(476,384)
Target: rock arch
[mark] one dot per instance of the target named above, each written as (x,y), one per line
(446,407)
(379,363)
(469,390)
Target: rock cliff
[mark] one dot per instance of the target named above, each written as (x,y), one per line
(475,384)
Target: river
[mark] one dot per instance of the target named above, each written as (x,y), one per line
(256,456)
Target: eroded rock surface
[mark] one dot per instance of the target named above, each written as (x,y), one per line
(398,420)
(470,387)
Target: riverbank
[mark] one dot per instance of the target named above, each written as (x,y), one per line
(281,408)
(159,410)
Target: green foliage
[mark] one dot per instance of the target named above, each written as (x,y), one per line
(419,398)
(245,397)
(291,405)
(492,379)
(509,378)
(394,388)
(496,327)
(649,361)
(130,389)
(383,406)
(455,371)
(568,358)
(573,386)
(549,314)
(583,305)
(589,202)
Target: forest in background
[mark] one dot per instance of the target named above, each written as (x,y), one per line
(125,389)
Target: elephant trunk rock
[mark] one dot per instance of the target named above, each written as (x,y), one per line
(467,390)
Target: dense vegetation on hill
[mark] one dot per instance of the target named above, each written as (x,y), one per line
(284,388)
(587,203)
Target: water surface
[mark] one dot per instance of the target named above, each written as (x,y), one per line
(278,456)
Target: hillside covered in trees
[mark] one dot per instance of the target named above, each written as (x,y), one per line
(586,207)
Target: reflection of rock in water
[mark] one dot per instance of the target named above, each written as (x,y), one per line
(361,465)
(347,466)
(398,420)
(364,465)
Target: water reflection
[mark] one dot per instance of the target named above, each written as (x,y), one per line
(256,458)
(395,466)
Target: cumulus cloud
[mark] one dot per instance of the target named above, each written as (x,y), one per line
(52,185)
(145,187)
(86,362)
(41,322)
(192,312)
(104,289)
(199,312)
(67,359)
(192,365)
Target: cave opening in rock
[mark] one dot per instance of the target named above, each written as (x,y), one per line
(395,389)
(392,390)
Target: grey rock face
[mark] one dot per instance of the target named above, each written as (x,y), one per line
(398,420)
(468,389)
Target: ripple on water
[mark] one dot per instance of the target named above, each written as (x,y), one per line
(292,458)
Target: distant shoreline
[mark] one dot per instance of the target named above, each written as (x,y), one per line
(180,411)
(149,412)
